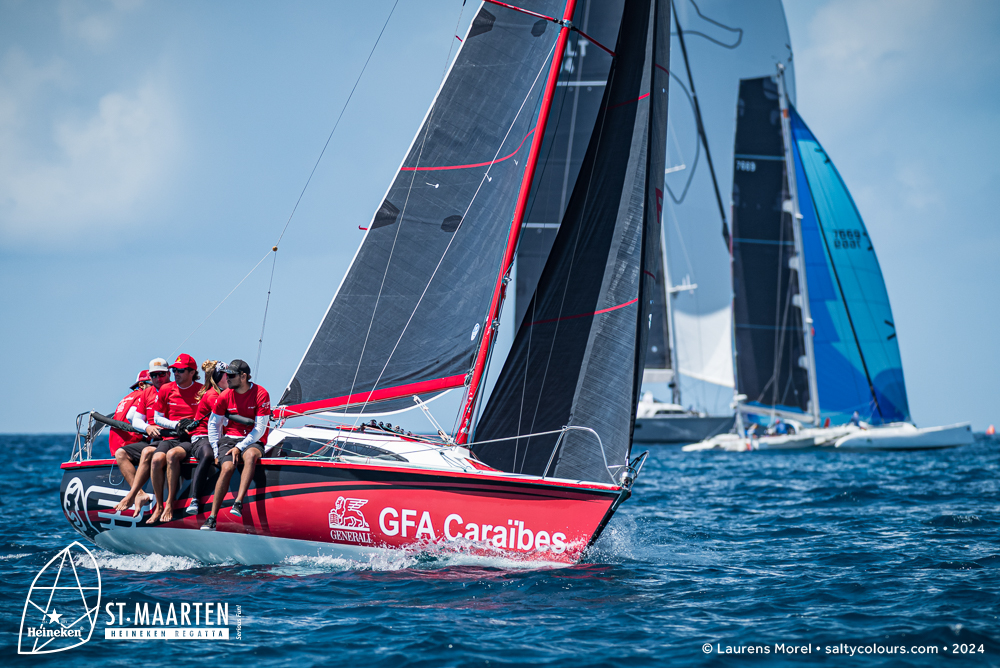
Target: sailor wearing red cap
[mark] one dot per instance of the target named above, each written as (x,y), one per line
(174,409)
(241,443)
(140,415)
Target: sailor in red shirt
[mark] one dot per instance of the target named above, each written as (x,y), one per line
(140,415)
(174,409)
(242,443)
(127,446)
(216,382)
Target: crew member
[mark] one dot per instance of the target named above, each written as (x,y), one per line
(855,419)
(174,409)
(126,446)
(140,415)
(241,442)
(216,382)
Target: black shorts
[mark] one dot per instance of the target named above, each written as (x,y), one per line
(228,443)
(134,450)
(170,444)
(198,443)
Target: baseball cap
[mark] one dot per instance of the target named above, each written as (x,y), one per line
(143,377)
(237,367)
(158,364)
(184,361)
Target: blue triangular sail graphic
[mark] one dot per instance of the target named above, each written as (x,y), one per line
(858,366)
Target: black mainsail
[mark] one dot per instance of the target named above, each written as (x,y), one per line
(409,315)
(771,363)
(578,356)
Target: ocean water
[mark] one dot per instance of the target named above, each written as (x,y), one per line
(879,553)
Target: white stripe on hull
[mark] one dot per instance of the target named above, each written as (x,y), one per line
(217,547)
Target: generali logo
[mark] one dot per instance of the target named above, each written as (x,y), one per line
(60,611)
(348,523)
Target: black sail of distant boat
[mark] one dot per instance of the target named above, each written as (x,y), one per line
(770,360)
(578,355)
(408,316)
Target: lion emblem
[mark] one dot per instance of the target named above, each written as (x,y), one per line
(346,514)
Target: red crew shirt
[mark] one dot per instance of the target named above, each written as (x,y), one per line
(147,397)
(255,401)
(119,438)
(175,403)
(204,411)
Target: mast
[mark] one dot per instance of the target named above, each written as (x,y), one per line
(503,278)
(700,125)
(800,258)
(675,389)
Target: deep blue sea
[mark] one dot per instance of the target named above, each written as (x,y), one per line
(878,553)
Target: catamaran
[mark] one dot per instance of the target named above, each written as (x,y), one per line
(815,339)
(536,471)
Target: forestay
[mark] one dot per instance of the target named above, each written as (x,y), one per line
(578,355)
(409,314)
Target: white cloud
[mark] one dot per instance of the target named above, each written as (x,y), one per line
(65,174)
(895,89)
(96,25)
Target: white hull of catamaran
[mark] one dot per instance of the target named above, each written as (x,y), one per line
(736,443)
(905,436)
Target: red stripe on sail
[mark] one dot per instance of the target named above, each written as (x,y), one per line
(478,164)
(622,104)
(584,315)
(383,394)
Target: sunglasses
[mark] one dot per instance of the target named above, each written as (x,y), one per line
(157,374)
(232,374)
(182,370)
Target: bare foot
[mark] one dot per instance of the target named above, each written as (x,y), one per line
(155,515)
(168,513)
(125,503)
(141,499)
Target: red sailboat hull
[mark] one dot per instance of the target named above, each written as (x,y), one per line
(352,511)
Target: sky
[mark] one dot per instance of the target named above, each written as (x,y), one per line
(152,153)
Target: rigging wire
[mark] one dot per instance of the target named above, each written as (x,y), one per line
(420,154)
(218,305)
(697,149)
(701,126)
(450,241)
(274,249)
(337,123)
(739,38)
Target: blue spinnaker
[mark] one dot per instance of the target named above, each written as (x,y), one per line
(858,367)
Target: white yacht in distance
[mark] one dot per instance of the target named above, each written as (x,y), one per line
(659,422)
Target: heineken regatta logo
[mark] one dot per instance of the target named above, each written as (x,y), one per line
(61,609)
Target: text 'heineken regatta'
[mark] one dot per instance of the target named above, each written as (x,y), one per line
(187,621)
